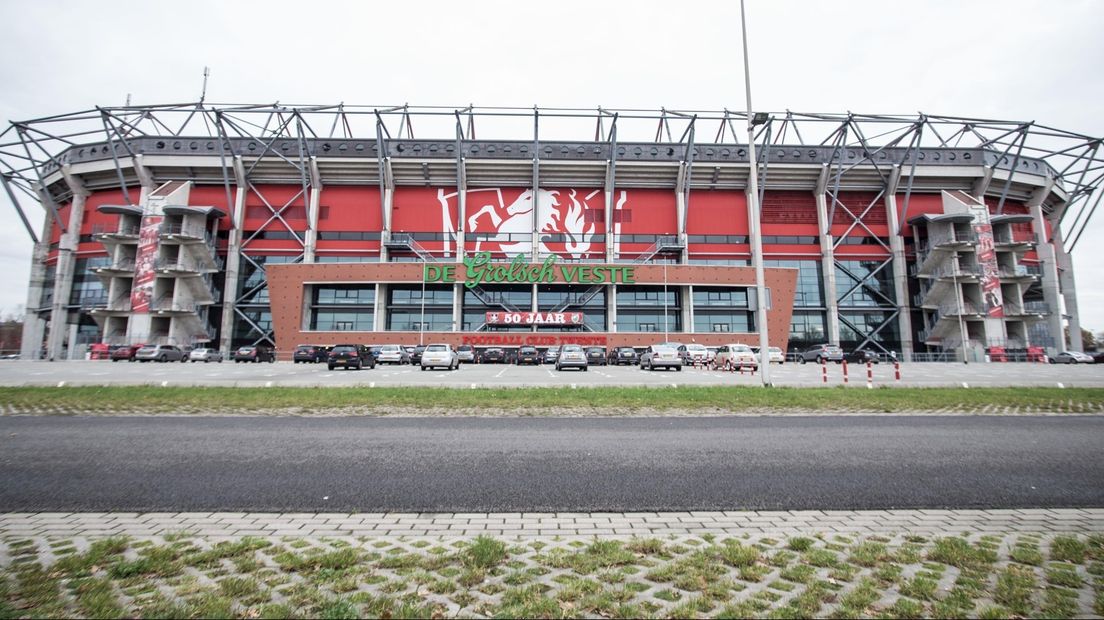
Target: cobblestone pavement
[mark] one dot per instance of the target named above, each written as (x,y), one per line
(549,524)
(1038,564)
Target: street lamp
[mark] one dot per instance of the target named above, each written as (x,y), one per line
(757,118)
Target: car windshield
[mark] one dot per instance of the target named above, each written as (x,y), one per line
(437,348)
(245,350)
(528,350)
(389,348)
(741,348)
(343,348)
(596,350)
(628,350)
(465,347)
(572,348)
(662,349)
(695,347)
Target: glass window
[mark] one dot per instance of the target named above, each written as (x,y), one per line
(875,290)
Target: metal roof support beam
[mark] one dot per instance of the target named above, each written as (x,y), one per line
(611,192)
(63,273)
(900,266)
(827,255)
(461,198)
(1022,138)
(18,209)
(233,255)
(534,252)
(385,195)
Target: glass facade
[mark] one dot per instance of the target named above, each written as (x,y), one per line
(348,307)
(867,304)
(573,298)
(810,318)
(649,309)
(419,308)
(722,309)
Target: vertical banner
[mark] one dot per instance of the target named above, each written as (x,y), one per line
(987,261)
(141,295)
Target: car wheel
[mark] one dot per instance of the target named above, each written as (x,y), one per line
(678,368)
(330,366)
(584,368)
(162,359)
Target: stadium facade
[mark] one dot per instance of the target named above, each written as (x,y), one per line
(230,225)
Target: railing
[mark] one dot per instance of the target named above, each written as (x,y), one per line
(664,243)
(1036,307)
(169,305)
(940,356)
(957,309)
(87,303)
(1016,239)
(122,264)
(406,241)
(169,264)
(129,230)
(191,232)
(955,238)
(960,271)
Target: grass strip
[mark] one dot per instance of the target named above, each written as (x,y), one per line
(381,401)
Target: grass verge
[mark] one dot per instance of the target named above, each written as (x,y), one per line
(382,401)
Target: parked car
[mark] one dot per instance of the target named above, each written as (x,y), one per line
(693,354)
(1098,357)
(493,355)
(821,353)
(392,354)
(1071,357)
(466,354)
(416,354)
(205,355)
(256,353)
(159,353)
(528,355)
(348,356)
(439,356)
(551,354)
(661,356)
(736,356)
(597,356)
(125,352)
(775,355)
(309,354)
(572,356)
(862,356)
(625,355)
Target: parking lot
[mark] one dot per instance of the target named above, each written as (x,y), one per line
(25,373)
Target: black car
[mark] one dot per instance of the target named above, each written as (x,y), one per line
(309,354)
(415,354)
(493,355)
(625,355)
(350,356)
(862,356)
(596,356)
(256,353)
(528,355)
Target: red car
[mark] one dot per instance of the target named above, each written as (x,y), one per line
(125,352)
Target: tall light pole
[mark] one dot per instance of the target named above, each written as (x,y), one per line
(756,236)
(421,321)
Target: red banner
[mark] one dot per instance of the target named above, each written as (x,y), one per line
(534,318)
(141,294)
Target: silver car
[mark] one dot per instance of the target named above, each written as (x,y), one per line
(392,354)
(205,355)
(160,353)
(466,353)
(661,356)
(440,356)
(572,356)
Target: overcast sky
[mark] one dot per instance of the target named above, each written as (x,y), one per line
(1000,59)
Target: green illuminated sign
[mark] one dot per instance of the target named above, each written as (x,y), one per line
(480,270)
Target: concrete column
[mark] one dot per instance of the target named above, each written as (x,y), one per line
(611,308)
(681,197)
(608,215)
(900,268)
(233,259)
(688,308)
(1051,290)
(305,309)
(34,325)
(1066,285)
(457,307)
(314,197)
(380,319)
(386,207)
(827,259)
(72,336)
(63,278)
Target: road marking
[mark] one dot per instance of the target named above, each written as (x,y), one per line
(500,373)
(372,384)
(268,384)
(164,384)
(329,374)
(61,384)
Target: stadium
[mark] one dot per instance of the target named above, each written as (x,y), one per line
(923,237)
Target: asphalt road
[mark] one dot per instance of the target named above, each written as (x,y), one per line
(516,464)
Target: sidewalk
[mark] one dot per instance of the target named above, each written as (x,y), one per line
(534,524)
